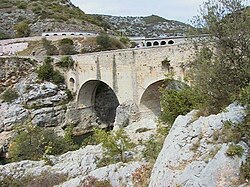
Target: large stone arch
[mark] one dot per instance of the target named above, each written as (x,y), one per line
(99,97)
(150,99)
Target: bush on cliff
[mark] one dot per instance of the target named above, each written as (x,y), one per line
(34,143)
(9,95)
(66,47)
(46,72)
(178,102)
(115,144)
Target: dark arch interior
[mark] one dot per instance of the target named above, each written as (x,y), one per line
(170,42)
(101,99)
(71,83)
(149,44)
(163,42)
(156,43)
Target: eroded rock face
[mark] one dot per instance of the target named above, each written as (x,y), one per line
(42,103)
(191,157)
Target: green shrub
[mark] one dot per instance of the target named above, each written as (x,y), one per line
(9,95)
(69,95)
(34,143)
(49,47)
(57,77)
(125,40)
(22,5)
(245,171)
(4,36)
(114,144)
(47,72)
(66,62)
(104,42)
(22,29)
(178,102)
(66,47)
(234,150)
(154,145)
(244,96)
(69,137)
(231,132)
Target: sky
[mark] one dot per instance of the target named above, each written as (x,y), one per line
(180,10)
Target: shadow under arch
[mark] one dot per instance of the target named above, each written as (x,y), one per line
(99,97)
(150,99)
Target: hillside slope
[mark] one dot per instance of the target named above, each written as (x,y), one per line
(149,26)
(45,16)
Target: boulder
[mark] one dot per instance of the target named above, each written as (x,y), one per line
(126,113)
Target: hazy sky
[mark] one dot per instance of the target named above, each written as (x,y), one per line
(181,10)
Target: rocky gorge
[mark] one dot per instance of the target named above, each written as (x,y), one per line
(193,153)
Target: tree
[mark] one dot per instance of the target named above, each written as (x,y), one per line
(114,144)
(222,67)
(104,41)
(22,29)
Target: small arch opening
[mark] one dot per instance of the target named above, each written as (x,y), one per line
(46,34)
(170,42)
(156,43)
(72,84)
(163,42)
(149,44)
(55,34)
(63,34)
(72,34)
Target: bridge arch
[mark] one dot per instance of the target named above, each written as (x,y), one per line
(150,99)
(171,42)
(163,42)
(99,97)
(156,43)
(148,44)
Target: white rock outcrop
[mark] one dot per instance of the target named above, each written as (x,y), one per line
(190,157)
(73,163)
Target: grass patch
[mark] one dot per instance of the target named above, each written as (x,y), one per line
(9,95)
(46,179)
(235,150)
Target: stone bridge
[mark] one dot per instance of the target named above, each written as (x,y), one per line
(103,80)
